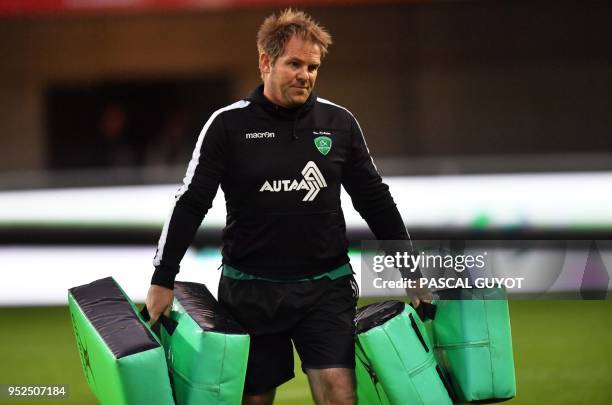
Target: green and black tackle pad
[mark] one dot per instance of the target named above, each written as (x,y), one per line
(395,363)
(122,360)
(208,351)
(473,344)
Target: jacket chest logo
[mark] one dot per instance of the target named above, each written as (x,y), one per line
(260,135)
(323,144)
(312,181)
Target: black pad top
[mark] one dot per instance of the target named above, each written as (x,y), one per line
(110,313)
(374,315)
(200,304)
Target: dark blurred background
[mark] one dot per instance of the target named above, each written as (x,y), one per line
(488,119)
(438,86)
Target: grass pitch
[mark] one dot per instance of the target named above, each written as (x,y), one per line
(562,350)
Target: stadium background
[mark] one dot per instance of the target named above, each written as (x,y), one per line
(489,118)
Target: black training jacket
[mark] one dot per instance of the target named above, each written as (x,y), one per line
(281,171)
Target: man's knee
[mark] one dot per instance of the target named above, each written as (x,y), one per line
(332,385)
(267,398)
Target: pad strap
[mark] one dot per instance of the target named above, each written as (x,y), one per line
(168,323)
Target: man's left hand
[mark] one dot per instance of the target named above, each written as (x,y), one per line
(417,295)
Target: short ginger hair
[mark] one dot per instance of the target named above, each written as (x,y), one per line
(277,30)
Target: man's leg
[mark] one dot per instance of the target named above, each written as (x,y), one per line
(324,339)
(266,398)
(332,386)
(253,303)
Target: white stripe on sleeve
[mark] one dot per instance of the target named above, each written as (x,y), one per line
(324,101)
(193,164)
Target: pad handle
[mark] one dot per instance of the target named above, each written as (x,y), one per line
(426,311)
(168,323)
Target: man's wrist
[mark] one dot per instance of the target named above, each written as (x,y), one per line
(163,278)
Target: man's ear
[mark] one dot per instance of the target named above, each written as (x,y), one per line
(265,63)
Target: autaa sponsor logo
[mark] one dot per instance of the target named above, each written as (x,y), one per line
(312,181)
(259,135)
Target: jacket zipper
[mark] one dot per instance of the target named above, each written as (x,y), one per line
(293,134)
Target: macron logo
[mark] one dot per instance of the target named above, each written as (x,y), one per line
(259,135)
(313,181)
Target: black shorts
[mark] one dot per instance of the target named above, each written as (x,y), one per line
(317,315)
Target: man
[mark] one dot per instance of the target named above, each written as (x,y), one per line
(280,156)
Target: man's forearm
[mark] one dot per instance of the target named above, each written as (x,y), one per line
(181,229)
(387,224)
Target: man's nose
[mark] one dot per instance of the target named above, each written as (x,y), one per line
(302,74)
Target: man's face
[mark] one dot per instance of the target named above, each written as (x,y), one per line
(290,79)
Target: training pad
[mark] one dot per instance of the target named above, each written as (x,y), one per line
(473,344)
(394,357)
(122,360)
(208,351)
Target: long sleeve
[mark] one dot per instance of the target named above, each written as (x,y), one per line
(372,199)
(192,201)
(370,196)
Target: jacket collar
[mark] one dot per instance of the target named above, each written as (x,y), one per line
(257,97)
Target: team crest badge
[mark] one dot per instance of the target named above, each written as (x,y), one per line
(323,144)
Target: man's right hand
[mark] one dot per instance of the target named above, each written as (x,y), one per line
(418,295)
(159,300)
